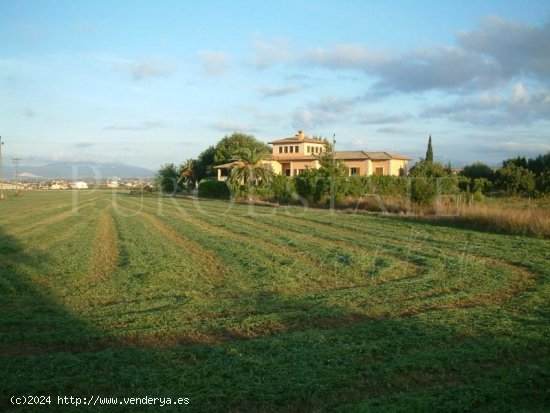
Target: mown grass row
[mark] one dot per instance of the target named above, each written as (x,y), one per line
(268,309)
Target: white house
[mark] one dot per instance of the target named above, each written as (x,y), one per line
(79,185)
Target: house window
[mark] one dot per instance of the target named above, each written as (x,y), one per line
(292,149)
(286,149)
(354,171)
(280,149)
(295,172)
(308,149)
(287,172)
(379,171)
(296,149)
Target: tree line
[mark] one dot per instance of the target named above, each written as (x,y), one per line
(250,177)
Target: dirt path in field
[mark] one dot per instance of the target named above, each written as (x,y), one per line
(105,253)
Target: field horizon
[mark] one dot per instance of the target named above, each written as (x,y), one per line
(244,308)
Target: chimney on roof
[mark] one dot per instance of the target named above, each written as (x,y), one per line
(300,135)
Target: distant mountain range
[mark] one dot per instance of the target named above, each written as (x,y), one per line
(77,170)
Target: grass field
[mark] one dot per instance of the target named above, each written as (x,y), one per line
(242,308)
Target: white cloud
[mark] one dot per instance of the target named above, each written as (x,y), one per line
(303,118)
(268,53)
(380,118)
(214,63)
(276,91)
(333,104)
(519,49)
(230,126)
(147,125)
(392,130)
(519,94)
(518,106)
(260,114)
(345,56)
(498,52)
(442,67)
(146,69)
(497,148)
(326,110)
(84,145)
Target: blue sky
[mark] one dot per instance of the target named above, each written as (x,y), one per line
(153,82)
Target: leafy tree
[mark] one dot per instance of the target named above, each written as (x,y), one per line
(229,146)
(282,188)
(519,161)
(312,185)
(540,164)
(515,180)
(167,178)
(429,151)
(482,185)
(464,183)
(330,165)
(430,179)
(330,180)
(426,168)
(203,166)
(542,182)
(478,170)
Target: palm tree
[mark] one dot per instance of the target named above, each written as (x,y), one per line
(187,172)
(249,168)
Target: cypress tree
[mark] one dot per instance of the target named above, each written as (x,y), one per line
(429,151)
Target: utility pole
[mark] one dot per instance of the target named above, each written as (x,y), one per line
(333,148)
(332,194)
(1,172)
(16,163)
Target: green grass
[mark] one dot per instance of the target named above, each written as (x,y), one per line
(243,308)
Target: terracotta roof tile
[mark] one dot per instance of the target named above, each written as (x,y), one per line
(295,139)
(350,155)
(398,156)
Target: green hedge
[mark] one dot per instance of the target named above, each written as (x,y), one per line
(214,189)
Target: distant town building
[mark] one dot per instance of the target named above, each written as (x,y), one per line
(58,185)
(113,183)
(9,186)
(79,185)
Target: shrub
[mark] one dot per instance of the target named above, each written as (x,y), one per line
(361,186)
(282,188)
(214,189)
(431,179)
(167,178)
(482,185)
(423,190)
(309,185)
(516,180)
